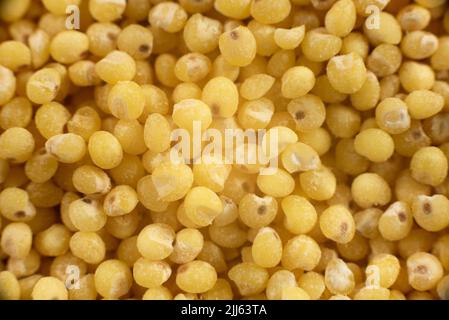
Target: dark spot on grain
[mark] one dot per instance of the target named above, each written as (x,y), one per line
(416,134)
(402,217)
(144,48)
(427,208)
(42,152)
(87,200)
(262,210)
(234,35)
(215,109)
(245,186)
(20,214)
(111,36)
(421,269)
(343,228)
(299,115)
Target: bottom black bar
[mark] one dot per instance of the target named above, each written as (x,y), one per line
(179,310)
